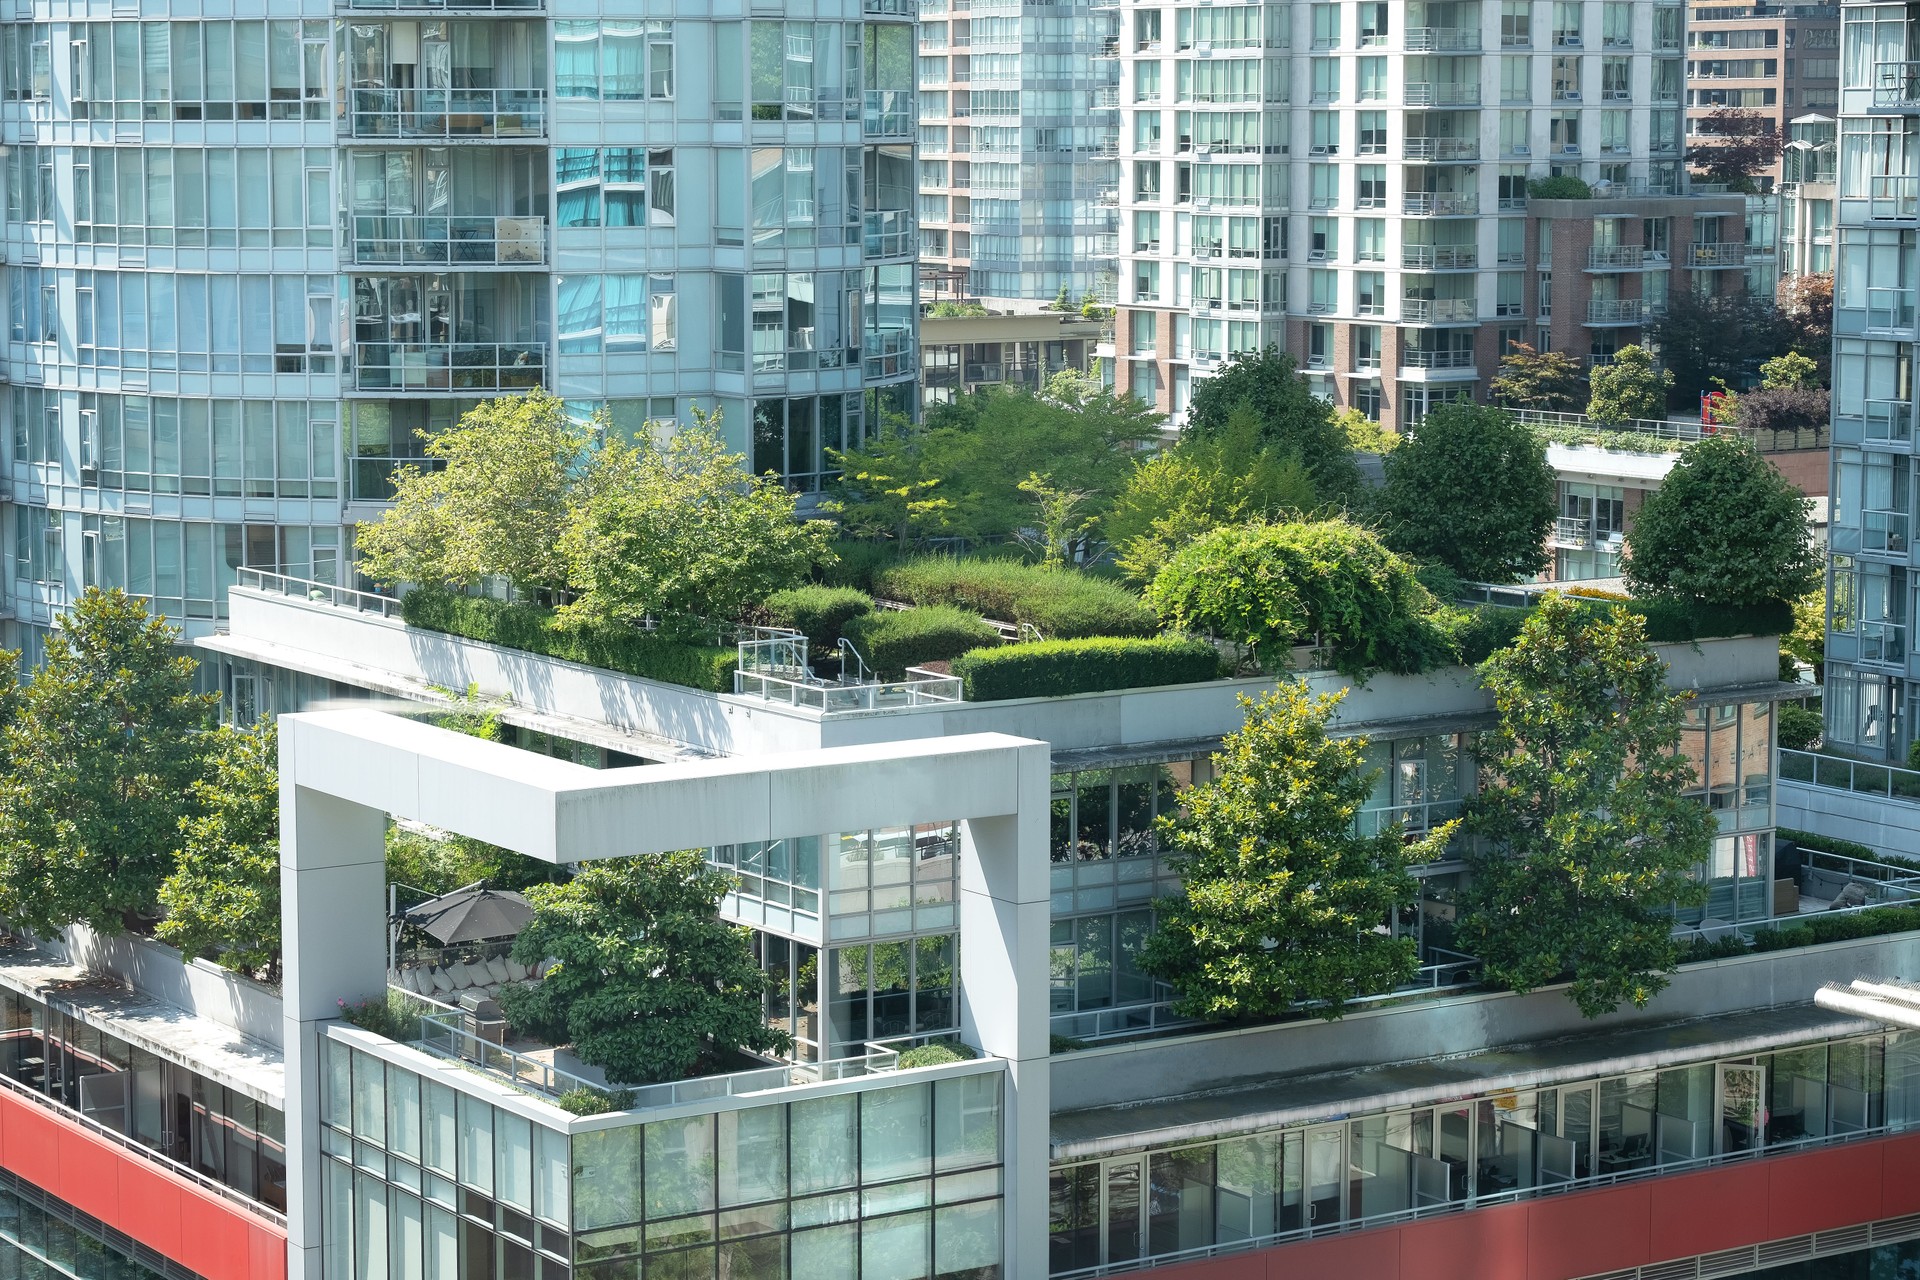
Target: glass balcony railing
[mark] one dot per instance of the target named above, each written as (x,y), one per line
(448,366)
(1443,94)
(1440,204)
(1438,257)
(1887,422)
(1616,311)
(1884,531)
(890,114)
(1896,85)
(1443,148)
(1439,310)
(1436,360)
(1890,309)
(388,240)
(1601,257)
(447,113)
(1893,196)
(889,233)
(889,354)
(1442,40)
(1732,253)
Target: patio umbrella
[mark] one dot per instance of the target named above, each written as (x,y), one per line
(470,915)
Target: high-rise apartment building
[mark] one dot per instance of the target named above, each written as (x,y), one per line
(1776,60)
(1350,182)
(1019,128)
(253,254)
(1870,668)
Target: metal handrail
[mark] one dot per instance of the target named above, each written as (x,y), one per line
(1641,426)
(147,1153)
(382,112)
(412,239)
(339,597)
(1840,773)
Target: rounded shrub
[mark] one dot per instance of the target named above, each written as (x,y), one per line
(819,613)
(891,640)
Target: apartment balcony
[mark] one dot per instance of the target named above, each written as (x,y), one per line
(890,113)
(1893,198)
(1439,257)
(890,8)
(1896,86)
(1109,48)
(1442,148)
(889,233)
(1618,257)
(385,240)
(451,114)
(465,8)
(1571,534)
(889,354)
(1442,94)
(1617,311)
(1726,254)
(1106,98)
(1887,423)
(1439,311)
(1438,361)
(1426,204)
(1442,40)
(448,366)
(1890,311)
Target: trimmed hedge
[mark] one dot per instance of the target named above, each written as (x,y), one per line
(892,640)
(935,1053)
(1843,848)
(1051,668)
(1838,927)
(1481,630)
(819,613)
(609,645)
(1063,604)
(1800,727)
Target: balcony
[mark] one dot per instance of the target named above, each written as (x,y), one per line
(1571,533)
(448,366)
(1437,360)
(390,240)
(1890,310)
(1442,40)
(889,8)
(1427,204)
(889,353)
(447,113)
(1627,257)
(889,233)
(889,113)
(1887,423)
(1439,257)
(1602,311)
(1894,198)
(1442,148)
(1731,253)
(1444,93)
(1109,48)
(1439,310)
(1896,86)
(464,7)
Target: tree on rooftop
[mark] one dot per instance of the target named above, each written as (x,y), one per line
(1293,421)
(1587,838)
(1281,900)
(651,982)
(102,756)
(1789,371)
(223,897)
(1724,528)
(1629,388)
(1552,381)
(1470,488)
(494,507)
(1199,485)
(1724,337)
(677,528)
(1268,587)
(1806,308)
(1741,143)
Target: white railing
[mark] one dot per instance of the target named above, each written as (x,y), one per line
(329,593)
(1666,430)
(447,113)
(917,690)
(1617,311)
(1618,255)
(1438,257)
(1439,310)
(1442,39)
(1442,148)
(407,240)
(1428,204)
(1436,360)
(1731,253)
(1572,533)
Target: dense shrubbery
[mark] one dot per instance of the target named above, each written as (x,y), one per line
(935,1054)
(1836,926)
(1800,727)
(894,639)
(1051,668)
(611,645)
(1062,604)
(819,613)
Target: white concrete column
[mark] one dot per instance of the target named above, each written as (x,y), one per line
(1003,992)
(333,938)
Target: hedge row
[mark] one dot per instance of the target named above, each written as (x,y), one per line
(1843,848)
(1062,604)
(1838,927)
(612,646)
(894,639)
(1052,668)
(1479,631)
(820,614)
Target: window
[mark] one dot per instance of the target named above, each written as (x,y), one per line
(1516,79)
(1370,186)
(1146,232)
(1566,24)
(1366,347)
(1370,240)
(1146,282)
(1516,24)
(1143,326)
(1319,346)
(1371,79)
(1326,26)
(1323,239)
(1370,293)
(1372,133)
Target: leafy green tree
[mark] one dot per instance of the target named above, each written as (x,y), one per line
(102,756)
(1364,434)
(650,981)
(1587,836)
(1723,528)
(1552,381)
(679,529)
(1060,520)
(1789,370)
(495,506)
(437,862)
(884,492)
(1724,337)
(1267,588)
(1292,419)
(1199,485)
(1282,902)
(1471,488)
(223,898)
(1629,388)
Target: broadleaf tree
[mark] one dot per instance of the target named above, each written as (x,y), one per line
(1725,528)
(1552,381)
(102,757)
(1293,420)
(1587,836)
(1628,388)
(1282,901)
(650,980)
(223,898)
(1471,489)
